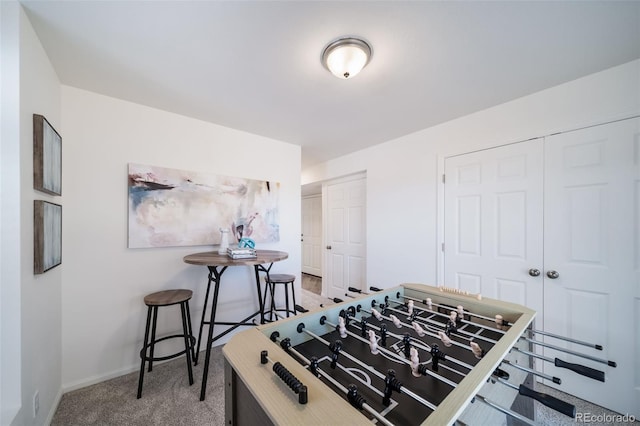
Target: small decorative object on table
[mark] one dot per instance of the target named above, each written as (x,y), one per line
(241,253)
(246,243)
(224,241)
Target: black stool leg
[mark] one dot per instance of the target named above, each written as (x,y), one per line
(193,349)
(286,297)
(273,302)
(293,295)
(187,339)
(153,336)
(264,299)
(143,352)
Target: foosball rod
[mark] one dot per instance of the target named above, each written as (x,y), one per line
(306,362)
(490,403)
(427,321)
(333,299)
(427,348)
(499,321)
(449,308)
(547,400)
(417,342)
(301,328)
(393,355)
(567,339)
(457,309)
(554,379)
(533,341)
(400,324)
(576,368)
(357,290)
(570,352)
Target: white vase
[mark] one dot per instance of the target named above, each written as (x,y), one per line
(224,241)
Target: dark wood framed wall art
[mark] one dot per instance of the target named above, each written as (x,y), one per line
(47,178)
(47,157)
(47,240)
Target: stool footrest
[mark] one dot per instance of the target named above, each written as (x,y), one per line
(143,351)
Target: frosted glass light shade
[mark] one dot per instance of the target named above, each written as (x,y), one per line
(346,57)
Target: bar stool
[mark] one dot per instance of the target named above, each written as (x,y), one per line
(287,280)
(153,302)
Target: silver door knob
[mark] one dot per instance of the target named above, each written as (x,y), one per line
(534,272)
(553,274)
(328,247)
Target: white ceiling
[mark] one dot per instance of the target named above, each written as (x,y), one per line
(255,65)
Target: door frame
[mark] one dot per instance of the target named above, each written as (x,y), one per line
(325,213)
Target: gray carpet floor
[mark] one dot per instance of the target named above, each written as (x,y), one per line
(167,398)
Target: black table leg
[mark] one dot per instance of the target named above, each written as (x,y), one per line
(213,276)
(261,301)
(214,305)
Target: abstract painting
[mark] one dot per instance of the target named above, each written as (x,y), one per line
(47,240)
(47,157)
(169,207)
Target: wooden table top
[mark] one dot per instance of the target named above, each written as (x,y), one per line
(212,258)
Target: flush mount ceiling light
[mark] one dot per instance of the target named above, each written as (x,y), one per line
(346,56)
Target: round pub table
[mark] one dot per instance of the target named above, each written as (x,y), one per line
(217,264)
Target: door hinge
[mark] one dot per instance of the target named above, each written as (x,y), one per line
(442,247)
(443,179)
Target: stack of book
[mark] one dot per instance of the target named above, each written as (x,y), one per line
(241,253)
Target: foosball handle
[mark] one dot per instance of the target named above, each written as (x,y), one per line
(354,290)
(375,288)
(301,309)
(292,381)
(581,369)
(550,401)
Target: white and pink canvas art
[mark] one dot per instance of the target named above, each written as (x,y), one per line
(169,207)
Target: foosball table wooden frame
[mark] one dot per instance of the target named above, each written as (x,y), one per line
(255,395)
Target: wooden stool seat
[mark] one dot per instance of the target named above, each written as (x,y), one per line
(153,302)
(287,280)
(167,297)
(280,278)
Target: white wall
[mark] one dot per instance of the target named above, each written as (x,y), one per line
(403,174)
(10,386)
(40,295)
(104,281)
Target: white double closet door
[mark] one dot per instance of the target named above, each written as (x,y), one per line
(566,206)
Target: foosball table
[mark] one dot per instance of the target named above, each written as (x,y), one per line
(412,354)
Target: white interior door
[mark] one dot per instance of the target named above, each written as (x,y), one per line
(592,208)
(493,223)
(346,237)
(312,235)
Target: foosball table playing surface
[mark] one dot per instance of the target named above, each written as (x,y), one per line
(409,355)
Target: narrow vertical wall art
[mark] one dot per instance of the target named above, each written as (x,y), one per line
(47,157)
(47,240)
